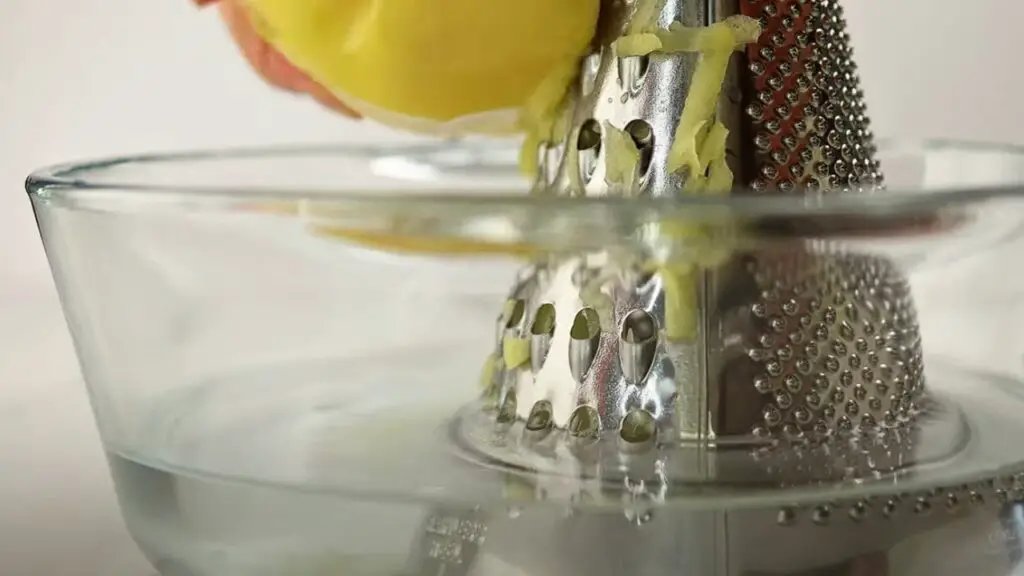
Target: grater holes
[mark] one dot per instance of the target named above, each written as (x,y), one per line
(586,325)
(544,321)
(515,314)
(638,341)
(589,137)
(588,148)
(585,423)
(632,72)
(643,137)
(584,338)
(541,332)
(638,429)
(540,420)
(639,327)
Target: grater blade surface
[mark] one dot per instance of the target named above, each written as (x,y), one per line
(801,341)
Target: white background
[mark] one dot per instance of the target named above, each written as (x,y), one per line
(81,78)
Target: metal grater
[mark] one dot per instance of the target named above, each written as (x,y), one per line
(794,343)
(805,370)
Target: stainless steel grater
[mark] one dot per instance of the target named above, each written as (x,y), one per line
(804,369)
(798,343)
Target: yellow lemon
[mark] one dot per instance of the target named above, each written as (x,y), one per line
(443,67)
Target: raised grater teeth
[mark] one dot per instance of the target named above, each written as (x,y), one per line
(808,119)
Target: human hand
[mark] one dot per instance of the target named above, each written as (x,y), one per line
(271,66)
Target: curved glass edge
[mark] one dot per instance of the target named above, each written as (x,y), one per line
(67,184)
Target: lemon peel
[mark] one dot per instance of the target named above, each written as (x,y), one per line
(378,56)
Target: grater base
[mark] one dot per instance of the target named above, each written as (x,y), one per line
(965,436)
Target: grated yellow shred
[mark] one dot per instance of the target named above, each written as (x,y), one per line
(515,352)
(623,157)
(490,368)
(543,116)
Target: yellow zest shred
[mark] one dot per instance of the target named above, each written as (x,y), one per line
(623,158)
(698,147)
(644,16)
(515,352)
(638,44)
(714,175)
(679,281)
(488,371)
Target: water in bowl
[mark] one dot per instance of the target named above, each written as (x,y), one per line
(244,477)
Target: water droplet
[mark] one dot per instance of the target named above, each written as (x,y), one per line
(858,511)
(514,511)
(889,509)
(821,515)
(786,517)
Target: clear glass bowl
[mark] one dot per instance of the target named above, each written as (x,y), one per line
(283,352)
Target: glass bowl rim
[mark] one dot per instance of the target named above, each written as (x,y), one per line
(57,183)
